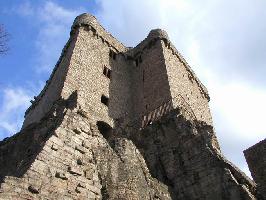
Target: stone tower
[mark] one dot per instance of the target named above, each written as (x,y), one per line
(119,123)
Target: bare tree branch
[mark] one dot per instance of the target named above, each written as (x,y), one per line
(4,37)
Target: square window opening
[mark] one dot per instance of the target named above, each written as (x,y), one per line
(105,100)
(107,72)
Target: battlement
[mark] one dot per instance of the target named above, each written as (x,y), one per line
(255,157)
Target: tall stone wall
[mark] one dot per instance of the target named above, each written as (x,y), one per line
(121,92)
(88,51)
(75,144)
(86,74)
(151,85)
(53,88)
(185,87)
(155,79)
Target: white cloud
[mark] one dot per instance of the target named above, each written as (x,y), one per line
(222,43)
(14,102)
(54,23)
(53,13)
(242,107)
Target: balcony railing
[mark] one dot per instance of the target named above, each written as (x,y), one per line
(177,102)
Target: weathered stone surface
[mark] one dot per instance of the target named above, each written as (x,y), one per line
(61,175)
(256,159)
(119,123)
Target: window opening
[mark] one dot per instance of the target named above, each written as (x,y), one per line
(112,54)
(140,59)
(107,72)
(105,100)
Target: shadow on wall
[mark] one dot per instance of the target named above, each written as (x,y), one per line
(139,90)
(105,129)
(18,152)
(138,79)
(54,85)
(167,139)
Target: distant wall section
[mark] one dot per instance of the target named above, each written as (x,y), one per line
(256,160)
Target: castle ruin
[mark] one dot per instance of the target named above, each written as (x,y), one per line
(114,122)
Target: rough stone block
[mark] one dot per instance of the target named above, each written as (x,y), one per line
(75,171)
(33,190)
(81,149)
(61,175)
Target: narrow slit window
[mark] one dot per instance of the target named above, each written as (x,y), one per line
(137,62)
(104,100)
(107,72)
(140,59)
(112,54)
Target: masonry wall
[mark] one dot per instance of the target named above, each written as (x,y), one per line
(185,90)
(53,88)
(91,55)
(121,92)
(50,160)
(156,88)
(150,80)
(67,157)
(88,51)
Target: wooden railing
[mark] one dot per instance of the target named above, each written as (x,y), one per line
(166,107)
(156,113)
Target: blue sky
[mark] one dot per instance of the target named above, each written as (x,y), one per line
(38,31)
(222,40)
